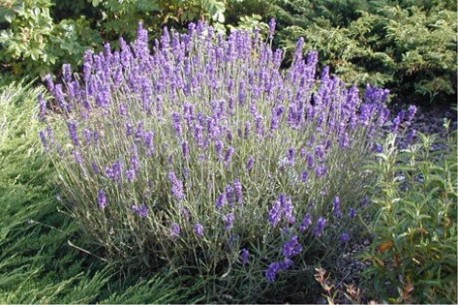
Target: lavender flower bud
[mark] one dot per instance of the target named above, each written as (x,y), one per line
(275,213)
(199,229)
(411,113)
(275,268)
(238,190)
(288,208)
(177,124)
(292,247)
(228,156)
(67,72)
(396,124)
(43,106)
(175,230)
(221,201)
(44,141)
(131,175)
(321,171)
(291,155)
(245,256)
(272,25)
(345,237)
(272,271)
(219,149)
(78,157)
(250,164)
(177,186)
(319,151)
(319,228)
(304,176)
(102,199)
(229,221)
(185,148)
(378,147)
(72,129)
(352,213)
(336,208)
(411,135)
(141,210)
(310,161)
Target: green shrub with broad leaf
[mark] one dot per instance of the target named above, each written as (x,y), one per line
(38,36)
(414,251)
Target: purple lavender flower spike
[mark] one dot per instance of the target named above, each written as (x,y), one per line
(291,155)
(229,221)
(304,176)
(410,114)
(177,186)
(319,151)
(221,201)
(131,175)
(288,208)
(272,271)
(185,148)
(352,213)
(114,172)
(310,161)
(177,124)
(175,230)
(321,171)
(78,157)
(43,106)
(44,140)
(72,129)
(378,147)
(275,213)
(238,188)
(274,268)
(149,143)
(336,207)
(250,164)
(319,228)
(345,237)
(306,223)
(272,25)
(396,124)
(141,210)
(102,199)
(219,149)
(228,157)
(292,247)
(344,140)
(199,229)
(411,135)
(245,256)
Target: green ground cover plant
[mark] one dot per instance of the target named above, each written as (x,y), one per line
(414,252)
(204,158)
(37,265)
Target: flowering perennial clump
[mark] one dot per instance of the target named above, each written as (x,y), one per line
(202,146)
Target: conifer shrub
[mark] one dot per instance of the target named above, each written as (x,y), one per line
(201,156)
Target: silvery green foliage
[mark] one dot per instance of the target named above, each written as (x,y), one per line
(203,156)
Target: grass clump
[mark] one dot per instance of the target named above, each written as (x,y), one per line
(205,159)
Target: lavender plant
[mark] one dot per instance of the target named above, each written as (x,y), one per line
(201,155)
